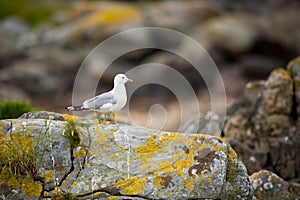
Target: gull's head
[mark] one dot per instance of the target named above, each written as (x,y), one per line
(121,78)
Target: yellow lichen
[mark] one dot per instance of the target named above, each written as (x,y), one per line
(74,184)
(180,165)
(49,176)
(189,183)
(151,146)
(200,178)
(232,154)
(31,188)
(209,180)
(112,198)
(70,117)
(13,182)
(102,136)
(126,182)
(165,166)
(112,16)
(157,181)
(132,186)
(80,152)
(283,72)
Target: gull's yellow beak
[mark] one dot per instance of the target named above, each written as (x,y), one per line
(129,80)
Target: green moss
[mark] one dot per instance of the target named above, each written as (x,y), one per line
(72,133)
(14,109)
(65,196)
(33,11)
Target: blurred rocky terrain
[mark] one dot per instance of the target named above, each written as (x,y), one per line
(39,58)
(264,125)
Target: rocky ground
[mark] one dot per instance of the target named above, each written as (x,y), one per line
(246,41)
(125,162)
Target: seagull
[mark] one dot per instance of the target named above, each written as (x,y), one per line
(108,102)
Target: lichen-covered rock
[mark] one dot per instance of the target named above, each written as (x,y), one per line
(274,110)
(268,186)
(37,141)
(294,68)
(263,126)
(120,160)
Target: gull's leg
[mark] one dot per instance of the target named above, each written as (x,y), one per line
(113,118)
(105,115)
(99,117)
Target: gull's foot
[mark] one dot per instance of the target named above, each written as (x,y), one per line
(101,120)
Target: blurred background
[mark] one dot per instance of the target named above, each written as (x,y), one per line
(43,44)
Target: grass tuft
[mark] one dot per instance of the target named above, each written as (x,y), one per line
(18,155)
(72,133)
(14,109)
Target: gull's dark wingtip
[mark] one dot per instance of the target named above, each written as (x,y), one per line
(69,108)
(74,108)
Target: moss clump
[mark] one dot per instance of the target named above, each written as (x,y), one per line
(33,11)
(14,109)
(72,133)
(66,196)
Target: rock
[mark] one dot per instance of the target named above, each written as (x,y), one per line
(209,121)
(273,113)
(180,15)
(14,25)
(285,32)
(234,33)
(94,24)
(263,126)
(294,68)
(118,160)
(34,73)
(12,92)
(10,30)
(267,186)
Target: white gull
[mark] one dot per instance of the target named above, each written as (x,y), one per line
(108,102)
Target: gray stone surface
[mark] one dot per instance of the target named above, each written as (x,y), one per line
(122,160)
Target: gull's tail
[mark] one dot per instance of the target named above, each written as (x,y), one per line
(75,108)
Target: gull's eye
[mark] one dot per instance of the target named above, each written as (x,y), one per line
(122,77)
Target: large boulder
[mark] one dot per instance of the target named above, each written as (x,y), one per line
(263,126)
(84,159)
(267,186)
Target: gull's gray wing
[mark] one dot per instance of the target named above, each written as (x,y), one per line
(100,100)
